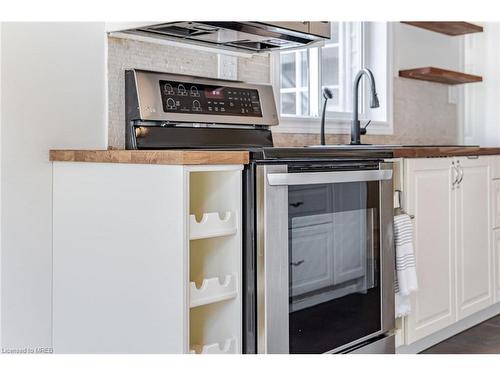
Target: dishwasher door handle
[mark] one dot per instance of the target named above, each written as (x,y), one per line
(310,178)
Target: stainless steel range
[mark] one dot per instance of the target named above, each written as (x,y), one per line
(318,246)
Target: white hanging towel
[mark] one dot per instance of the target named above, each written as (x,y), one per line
(406,273)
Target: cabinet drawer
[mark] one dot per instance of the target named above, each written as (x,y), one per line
(303,201)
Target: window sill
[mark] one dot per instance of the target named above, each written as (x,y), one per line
(311,125)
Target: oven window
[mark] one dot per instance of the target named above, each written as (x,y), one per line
(334,287)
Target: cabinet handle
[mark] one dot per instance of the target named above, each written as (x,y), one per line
(461,172)
(454,168)
(296,204)
(295,264)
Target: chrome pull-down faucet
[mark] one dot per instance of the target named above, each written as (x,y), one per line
(356,125)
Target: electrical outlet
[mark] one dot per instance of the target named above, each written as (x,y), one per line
(227,67)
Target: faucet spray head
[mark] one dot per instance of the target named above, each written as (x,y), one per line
(374,100)
(327,93)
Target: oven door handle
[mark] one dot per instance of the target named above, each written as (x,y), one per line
(310,178)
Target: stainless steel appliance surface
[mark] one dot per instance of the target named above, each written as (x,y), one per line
(248,36)
(325,256)
(318,255)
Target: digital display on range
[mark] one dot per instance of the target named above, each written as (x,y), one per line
(183,97)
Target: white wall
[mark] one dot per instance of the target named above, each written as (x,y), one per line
(53,96)
(417,48)
(482,109)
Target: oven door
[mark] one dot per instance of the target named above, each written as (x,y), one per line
(325,257)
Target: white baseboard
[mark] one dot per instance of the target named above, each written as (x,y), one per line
(452,330)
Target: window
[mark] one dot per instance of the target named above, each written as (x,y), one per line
(300,76)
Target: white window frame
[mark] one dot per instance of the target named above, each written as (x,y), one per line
(339,122)
(296,90)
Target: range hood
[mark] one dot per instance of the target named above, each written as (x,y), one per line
(248,36)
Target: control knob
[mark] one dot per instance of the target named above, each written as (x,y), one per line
(168,89)
(181,90)
(194,91)
(171,103)
(196,106)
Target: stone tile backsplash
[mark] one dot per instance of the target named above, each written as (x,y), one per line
(422,114)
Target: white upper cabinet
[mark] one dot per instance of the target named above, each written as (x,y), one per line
(474,254)
(429,198)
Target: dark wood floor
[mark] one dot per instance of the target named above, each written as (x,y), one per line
(481,339)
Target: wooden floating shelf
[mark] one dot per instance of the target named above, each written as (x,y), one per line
(431,74)
(448,28)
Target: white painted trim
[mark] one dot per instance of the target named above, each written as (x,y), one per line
(460,96)
(390,79)
(1,230)
(452,330)
(174,43)
(311,125)
(106,90)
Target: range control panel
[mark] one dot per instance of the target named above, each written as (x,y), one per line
(183,97)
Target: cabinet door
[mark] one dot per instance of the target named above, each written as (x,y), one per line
(496,203)
(496,257)
(474,255)
(350,245)
(429,197)
(311,262)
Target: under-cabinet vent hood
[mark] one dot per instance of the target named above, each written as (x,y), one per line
(248,36)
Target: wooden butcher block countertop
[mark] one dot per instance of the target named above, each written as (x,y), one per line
(443,151)
(167,157)
(198,157)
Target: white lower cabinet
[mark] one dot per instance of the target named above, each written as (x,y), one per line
(429,197)
(473,246)
(451,201)
(147,258)
(311,267)
(496,203)
(215,265)
(495,219)
(496,268)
